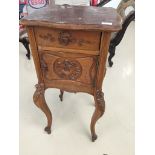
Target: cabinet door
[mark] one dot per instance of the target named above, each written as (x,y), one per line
(73,71)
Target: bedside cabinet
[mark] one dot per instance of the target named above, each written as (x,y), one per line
(69,46)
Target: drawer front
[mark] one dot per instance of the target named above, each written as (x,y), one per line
(79,69)
(69,39)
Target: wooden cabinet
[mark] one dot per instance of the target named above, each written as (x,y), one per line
(69,46)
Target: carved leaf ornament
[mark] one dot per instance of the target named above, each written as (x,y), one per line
(67,68)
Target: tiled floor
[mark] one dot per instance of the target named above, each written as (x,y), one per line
(71,118)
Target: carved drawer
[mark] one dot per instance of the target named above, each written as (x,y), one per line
(68,71)
(48,38)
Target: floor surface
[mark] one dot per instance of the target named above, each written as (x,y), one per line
(71,118)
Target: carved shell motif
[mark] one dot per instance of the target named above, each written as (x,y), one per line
(68,69)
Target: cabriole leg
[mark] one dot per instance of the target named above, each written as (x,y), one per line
(99,111)
(40,102)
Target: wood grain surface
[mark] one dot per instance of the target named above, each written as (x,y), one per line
(75,17)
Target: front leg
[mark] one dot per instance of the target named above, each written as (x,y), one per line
(40,102)
(99,111)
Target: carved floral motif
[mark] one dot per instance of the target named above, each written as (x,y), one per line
(39,91)
(64,38)
(47,37)
(100,101)
(68,69)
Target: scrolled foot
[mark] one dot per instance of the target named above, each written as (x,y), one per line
(48,130)
(94,137)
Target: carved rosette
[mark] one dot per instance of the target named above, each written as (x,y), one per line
(68,69)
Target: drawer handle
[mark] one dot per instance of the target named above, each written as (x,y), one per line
(64,38)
